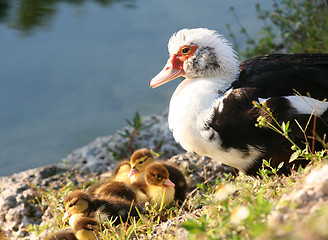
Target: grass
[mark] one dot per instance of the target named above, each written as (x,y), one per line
(229,207)
(224,208)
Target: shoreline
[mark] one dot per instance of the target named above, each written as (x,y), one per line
(18,190)
(23,206)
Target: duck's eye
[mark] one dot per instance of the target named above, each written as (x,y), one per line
(141,162)
(158,176)
(185,50)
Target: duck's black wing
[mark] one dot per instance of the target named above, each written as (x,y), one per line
(281,74)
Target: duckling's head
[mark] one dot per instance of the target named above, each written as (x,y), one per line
(139,161)
(3,234)
(77,202)
(86,228)
(157,174)
(122,167)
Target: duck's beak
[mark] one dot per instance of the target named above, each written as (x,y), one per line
(132,172)
(66,216)
(172,70)
(168,183)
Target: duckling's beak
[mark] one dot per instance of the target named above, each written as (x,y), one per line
(168,183)
(7,232)
(66,216)
(132,172)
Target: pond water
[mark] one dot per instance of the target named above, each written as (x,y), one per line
(75,70)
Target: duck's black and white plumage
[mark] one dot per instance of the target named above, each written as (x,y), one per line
(211,111)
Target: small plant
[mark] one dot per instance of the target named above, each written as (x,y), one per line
(137,125)
(267,170)
(289,27)
(269,121)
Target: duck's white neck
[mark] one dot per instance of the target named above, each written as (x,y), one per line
(191,110)
(192,105)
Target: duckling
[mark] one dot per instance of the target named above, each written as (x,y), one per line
(80,203)
(84,228)
(3,234)
(116,189)
(142,158)
(139,161)
(121,172)
(156,185)
(118,186)
(66,234)
(177,177)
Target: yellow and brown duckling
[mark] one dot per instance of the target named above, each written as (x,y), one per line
(84,228)
(139,161)
(115,189)
(67,234)
(80,203)
(117,186)
(142,158)
(3,234)
(157,185)
(177,177)
(121,172)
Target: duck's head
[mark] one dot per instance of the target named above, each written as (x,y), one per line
(139,161)
(198,52)
(157,174)
(86,228)
(77,202)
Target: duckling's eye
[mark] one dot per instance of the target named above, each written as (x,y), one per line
(158,176)
(185,50)
(141,162)
(72,204)
(90,227)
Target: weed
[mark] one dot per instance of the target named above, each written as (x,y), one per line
(269,121)
(136,126)
(290,26)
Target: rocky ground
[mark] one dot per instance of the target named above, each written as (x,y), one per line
(19,209)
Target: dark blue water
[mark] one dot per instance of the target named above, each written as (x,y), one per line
(75,70)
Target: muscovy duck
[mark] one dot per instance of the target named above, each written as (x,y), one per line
(212,113)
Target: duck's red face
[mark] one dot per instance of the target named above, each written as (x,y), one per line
(174,66)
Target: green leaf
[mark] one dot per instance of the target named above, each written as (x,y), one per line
(294,156)
(280,165)
(129,122)
(193,226)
